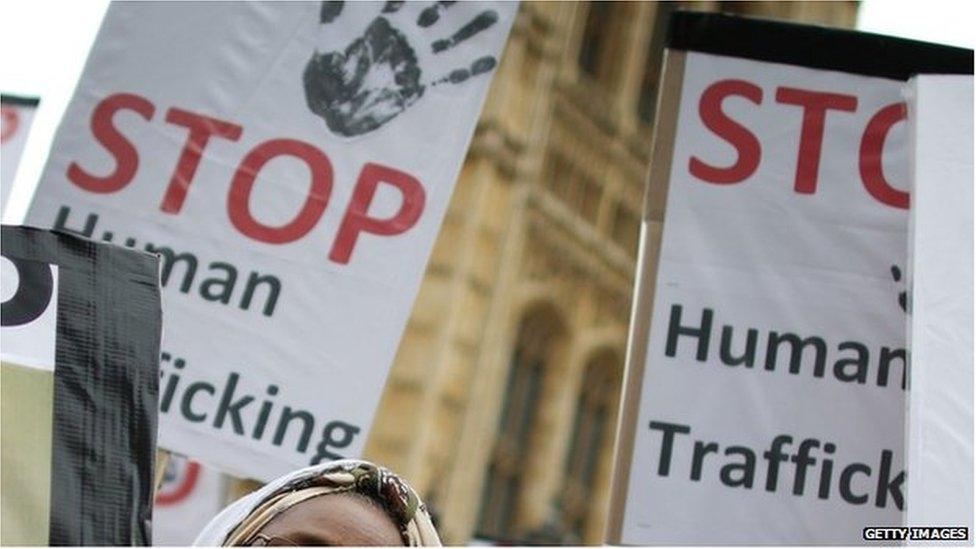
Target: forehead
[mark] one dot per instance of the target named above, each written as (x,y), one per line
(335,519)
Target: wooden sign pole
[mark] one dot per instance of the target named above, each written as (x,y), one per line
(652,223)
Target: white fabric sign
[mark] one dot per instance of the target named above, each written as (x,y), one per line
(772,402)
(16,116)
(191,494)
(30,312)
(940,403)
(293,162)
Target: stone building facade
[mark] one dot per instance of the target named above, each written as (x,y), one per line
(502,402)
(501,405)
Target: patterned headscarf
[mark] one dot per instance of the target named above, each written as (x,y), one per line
(241,522)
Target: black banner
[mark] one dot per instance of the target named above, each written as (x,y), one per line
(106,380)
(815,47)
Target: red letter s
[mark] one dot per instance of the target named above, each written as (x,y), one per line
(126,156)
(744,141)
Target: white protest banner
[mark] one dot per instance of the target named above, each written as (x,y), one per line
(292,163)
(28,333)
(16,115)
(765,393)
(940,336)
(191,494)
(29,317)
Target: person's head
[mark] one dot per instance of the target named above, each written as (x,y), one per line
(342,519)
(348,502)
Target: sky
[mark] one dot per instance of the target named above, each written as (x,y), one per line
(44,44)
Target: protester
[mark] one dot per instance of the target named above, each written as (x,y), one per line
(346,502)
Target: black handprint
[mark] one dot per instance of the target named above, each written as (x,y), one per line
(902,295)
(377,76)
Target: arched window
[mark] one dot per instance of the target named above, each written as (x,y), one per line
(596,409)
(499,501)
(647,99)
(601,42)
(598,19)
